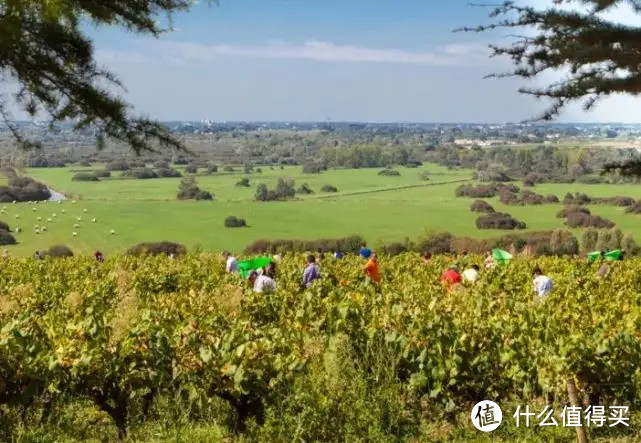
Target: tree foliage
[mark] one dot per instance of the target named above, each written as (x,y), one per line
(46,53)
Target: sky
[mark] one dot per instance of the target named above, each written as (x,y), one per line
(338,60)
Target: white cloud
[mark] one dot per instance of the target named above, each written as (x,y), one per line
(110,56)
(312,50)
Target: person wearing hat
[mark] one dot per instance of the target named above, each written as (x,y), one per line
(451,278)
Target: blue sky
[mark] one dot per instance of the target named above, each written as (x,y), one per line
(375,60)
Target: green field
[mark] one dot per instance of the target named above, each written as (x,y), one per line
(382,209)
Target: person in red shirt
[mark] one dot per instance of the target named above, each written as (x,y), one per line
(451,278)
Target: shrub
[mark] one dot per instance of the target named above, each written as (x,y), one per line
(329,188)
(551,199)
(563,242)
(576,199)
(140,173)
(244,182)
(312,168)
(508,197)
(589,239)
(102,173)
(396,248)
(157,248)
(284,190)
(304,189)
(424,175)
(630,246)
(23,189)
(189,190)
(481,206)
(211,168)
(229,169)
(191,169)
(389,173)
(117,165)
(582,220)
(168,173)
(59,251)
(435,243)
(6,238)
(180,160)
(4,227)
(590,180)
(85,177)
(563,213)
(350,244)
(161,164)
(235,222)
(497,220)
(617,200)
(634,209)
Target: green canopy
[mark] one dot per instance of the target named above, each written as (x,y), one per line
(500,256)
(593,256)
(247,266)
(614,255)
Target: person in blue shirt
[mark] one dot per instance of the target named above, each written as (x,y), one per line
(365,252)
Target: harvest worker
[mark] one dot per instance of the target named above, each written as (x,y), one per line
(266,283)
(451,278)
(542,283)
(427,258)
(231,264)
(338,255)
(471,274)
(371,270)
(365,252)
(99,257)
(489,260)
(312,271)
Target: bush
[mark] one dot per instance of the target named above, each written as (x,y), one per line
(244,182)
(59,251)
(235,222)
(497,220)
(576,199)
(117,165)
(346,244)
(481,206)
(6,238)
(589,239)
(229,169)
(168,173)
(565,212)
(304,189)
(191,169)
(617,200)
(189,190)
(157,248)
(180,160)
(509,198)
(85,177)
(4,227)
(563,242)
(140,173)
(211,168)
(102,173)
(329,188)
(23,189)
(284,190)
(590,180)
(312,168)
(389,173)
(551,199)
(161,164)
(435,243)
(582,220)
(424,175)
(634,209)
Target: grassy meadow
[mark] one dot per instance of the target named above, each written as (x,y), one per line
(380,208)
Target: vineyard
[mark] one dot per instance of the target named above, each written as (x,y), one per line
(154,349)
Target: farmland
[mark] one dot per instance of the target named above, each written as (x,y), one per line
(380,208)
(158,349)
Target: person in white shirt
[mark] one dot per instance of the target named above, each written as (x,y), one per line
(472,274)
(232,264)
(542,283)
(266,282)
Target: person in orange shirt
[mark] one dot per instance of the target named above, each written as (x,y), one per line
(371,269)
